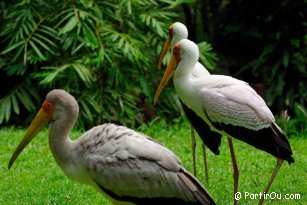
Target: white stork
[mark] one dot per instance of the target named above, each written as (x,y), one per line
(228,105)
(177,32)
(126,166)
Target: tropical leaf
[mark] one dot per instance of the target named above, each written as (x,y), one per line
(17,98)
(103,52)
(83,72)
(12,47)
(206,55)
(70,25)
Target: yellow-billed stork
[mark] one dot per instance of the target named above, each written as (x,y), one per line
(127,167)
(177,32)
(228,105)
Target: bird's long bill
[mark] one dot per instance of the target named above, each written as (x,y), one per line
(167,75)
(164,51)
(37,124)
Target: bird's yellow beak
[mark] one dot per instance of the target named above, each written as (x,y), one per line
(37,124)
(171,67)
(167,45)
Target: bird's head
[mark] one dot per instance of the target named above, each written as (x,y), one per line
(62,103)
(184,51)
(58,103)
(176,32)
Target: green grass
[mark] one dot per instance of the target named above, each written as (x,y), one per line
(35,178)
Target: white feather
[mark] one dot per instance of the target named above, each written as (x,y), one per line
(224,99)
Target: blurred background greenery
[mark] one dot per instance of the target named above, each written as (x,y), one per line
(105,53)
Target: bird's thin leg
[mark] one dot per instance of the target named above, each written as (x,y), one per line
(205,163)
(279,163)
(235,168)
(193,148)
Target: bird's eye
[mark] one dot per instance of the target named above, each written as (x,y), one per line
(47,105)
(176,49)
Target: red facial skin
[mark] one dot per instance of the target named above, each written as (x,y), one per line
(176,52)
(48,108)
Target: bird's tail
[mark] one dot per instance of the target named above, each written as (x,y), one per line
(198,190)
(283,143)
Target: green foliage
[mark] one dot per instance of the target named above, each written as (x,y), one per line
(283,62)
(20,94)
(102,52)
(206,55)
(295,125)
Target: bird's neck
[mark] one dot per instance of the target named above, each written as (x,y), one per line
(184,71)
(182,79)
(60,143)
(184,85)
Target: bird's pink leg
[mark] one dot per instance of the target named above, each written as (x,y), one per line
(193,148)
(235,168)
(205,163)
(279,163)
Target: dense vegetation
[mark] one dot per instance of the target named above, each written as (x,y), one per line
(102,52)
(105,54)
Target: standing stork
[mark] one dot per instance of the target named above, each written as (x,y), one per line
(228,105)
(126,166)
(177,32)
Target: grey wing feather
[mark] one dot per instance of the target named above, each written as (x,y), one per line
(173,156)
(198,189)
(134,165)
(234,102)
(133,178)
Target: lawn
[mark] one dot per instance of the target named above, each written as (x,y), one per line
(36,179)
